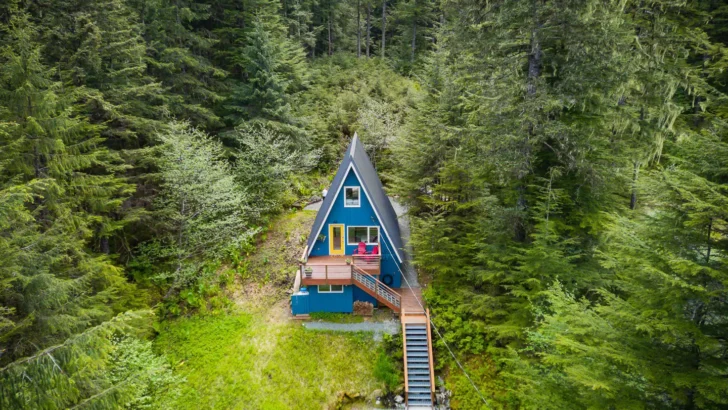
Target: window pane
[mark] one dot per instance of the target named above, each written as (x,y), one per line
(338,240)
(357,234)
(351,196)
(324,288)
(337,288)
(374,234)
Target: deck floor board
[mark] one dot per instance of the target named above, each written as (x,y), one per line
(410,305)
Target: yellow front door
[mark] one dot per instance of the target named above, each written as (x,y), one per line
(336,239)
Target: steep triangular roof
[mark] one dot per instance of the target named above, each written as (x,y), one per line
(357,159)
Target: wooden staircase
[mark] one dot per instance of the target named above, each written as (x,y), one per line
(375,288)
(419,378)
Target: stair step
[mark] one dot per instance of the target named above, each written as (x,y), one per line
(425,390)
(411,353)
(420,400)
(420,371)
(415,384)
(417,366)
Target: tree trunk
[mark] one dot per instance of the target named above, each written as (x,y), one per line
(358,29)
(369,25)
(534,63)
(710,232)
(384,26)
(414,38)
(633,197)
(331,39)
(534,72)
(105,245)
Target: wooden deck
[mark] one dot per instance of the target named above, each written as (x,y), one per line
(333,269)
(412,311)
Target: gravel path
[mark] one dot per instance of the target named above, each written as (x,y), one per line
(313,206)
(391,327)
(404,231)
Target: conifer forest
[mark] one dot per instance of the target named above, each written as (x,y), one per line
(564,164)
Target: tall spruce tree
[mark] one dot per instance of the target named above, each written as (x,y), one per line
(60,288)
(274,70)
(179,56)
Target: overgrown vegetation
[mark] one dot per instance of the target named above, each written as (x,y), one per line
(388,368)
(564,163)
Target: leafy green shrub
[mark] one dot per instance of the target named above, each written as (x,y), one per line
(387,371)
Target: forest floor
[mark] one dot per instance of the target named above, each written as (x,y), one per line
(255,356)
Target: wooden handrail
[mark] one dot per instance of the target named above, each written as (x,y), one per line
(388,292)
(406,376)
(429,346)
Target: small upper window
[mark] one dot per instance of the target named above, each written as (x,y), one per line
(351,196)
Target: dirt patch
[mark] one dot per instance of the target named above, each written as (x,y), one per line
(279,248)
(254,296)
(268,273)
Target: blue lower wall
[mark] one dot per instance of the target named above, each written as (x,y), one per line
(331,302)
(363,296)
(389,265)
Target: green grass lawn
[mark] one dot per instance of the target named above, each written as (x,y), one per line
(264,361)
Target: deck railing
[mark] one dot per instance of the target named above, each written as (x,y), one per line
(379,288)
(366,262)
(326,270)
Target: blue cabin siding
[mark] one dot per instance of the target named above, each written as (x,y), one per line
(331,302)
(363,215)
(362,296)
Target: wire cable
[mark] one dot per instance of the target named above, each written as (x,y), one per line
(438,331)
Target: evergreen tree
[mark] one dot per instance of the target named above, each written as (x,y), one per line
(59,289)
(179,56)
(274,69)
(415,19)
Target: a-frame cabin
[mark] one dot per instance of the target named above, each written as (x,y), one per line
(355,253)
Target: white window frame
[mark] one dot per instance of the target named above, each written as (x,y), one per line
(369,233)
(330,289)
(358,204)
